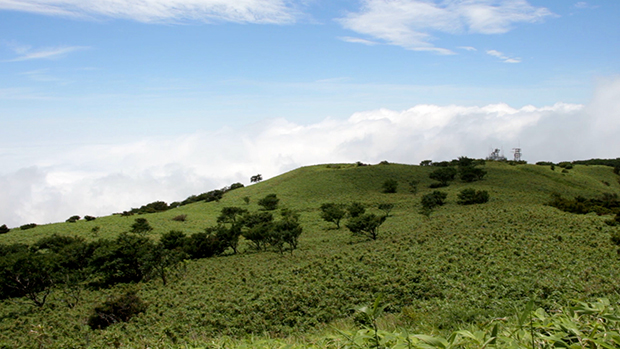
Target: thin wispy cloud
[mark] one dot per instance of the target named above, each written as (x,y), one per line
(46,53)
(503,57)
(467,48)
(358,40)
(585,5)
(410,23)
(246,11)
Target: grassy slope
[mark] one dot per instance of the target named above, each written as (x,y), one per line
(464,264)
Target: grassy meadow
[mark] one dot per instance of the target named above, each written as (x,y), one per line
(458,268)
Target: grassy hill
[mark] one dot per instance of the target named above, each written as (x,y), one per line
(462,265)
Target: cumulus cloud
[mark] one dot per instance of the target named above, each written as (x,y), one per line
(101,179)
(409,23)
(246,11)
(503,57)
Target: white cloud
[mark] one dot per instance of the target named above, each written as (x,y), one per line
(467,48)
(27,54)
(409,23)
(358,40)
(101,179)
(503,57)
(241,11)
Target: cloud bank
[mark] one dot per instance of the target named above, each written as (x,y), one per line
(99,180)
(240,11)
(409,23)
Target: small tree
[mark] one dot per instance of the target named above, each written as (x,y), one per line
(257,227)
(386,207)
(390,186)
(89,218)
(269,202)
(73,219)
(331,212)
(443,175)
(4,229)
(431,201)
(366,225)
(471,196)
(356,209)
(257,178)
(141,226)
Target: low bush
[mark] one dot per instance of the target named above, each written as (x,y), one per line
(390,186)
(73,219)
(4,229)
(89,218)
(471,196)
(180,218)
(119,309)
(28,226)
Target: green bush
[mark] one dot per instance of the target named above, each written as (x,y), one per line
(28,226)
(119,309)
(4,229)
(269,202)
(471,196)
(332,212)
(180,218)
(73,219)
(366,225)
(390,186)
(443,175)
(89,218)
(141,226)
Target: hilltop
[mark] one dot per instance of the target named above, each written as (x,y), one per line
(460,265)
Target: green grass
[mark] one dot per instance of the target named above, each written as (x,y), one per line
(462,266)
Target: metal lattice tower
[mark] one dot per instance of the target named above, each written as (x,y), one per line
(517,152)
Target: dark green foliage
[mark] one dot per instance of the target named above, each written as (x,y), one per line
(269,202)
(426,163)
(121,260)
(443,175)
(236,186)
(545,163)
(604,162)
(390,186)
(566,165)
(246,199)
(386,207)
(413,186)
(56,243)
(356,209)
(203,245)
(432,200)
(4,229)
(141,226)
(286,231)
(119,309)
(28,226)
(384,162)
(231,215)
(257,228)
(173,240)
(180,218)
(73,219)
(471,196)
(89,218)
(153,207)
(257,178)
(606,204)
(366,225)
(467,170)
(158,261)
(332,212)
(28,274)
(617,169)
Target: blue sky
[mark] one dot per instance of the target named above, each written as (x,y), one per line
(92,90)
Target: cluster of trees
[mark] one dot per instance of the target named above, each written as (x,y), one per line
(465,197)
(359,222)
(68,262)
(606,204)
(464,167)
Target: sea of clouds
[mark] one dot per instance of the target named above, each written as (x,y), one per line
(102,179)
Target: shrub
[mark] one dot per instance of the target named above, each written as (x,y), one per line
(269,202)
(89,218)
(4,229)
(141,226)
(73,219)
(356,209)
(471,196)
(119,309)
(432,200)
(386,207)
(28,226)
(180,218)
(389,186)
(173,239)
(236,186)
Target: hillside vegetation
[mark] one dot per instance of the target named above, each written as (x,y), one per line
(457,267)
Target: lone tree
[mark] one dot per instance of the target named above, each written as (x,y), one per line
(257,178)
(4,229)
(331,212)
(389,186)
(269,202)
(443,175)
(366,225)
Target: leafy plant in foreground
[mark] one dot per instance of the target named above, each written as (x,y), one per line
(119,309)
